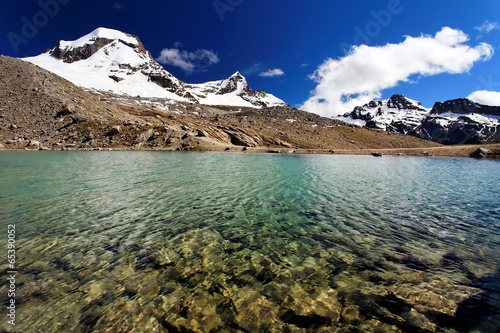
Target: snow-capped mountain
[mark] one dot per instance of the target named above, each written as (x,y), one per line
(232,91)
(461,121)
(397,114)
(112,61)
(452,122)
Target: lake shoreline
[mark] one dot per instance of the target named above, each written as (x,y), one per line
(441,151)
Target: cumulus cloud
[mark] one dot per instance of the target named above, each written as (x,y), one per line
(486,97)
(365,71)
(487,27)
(189,62)
(272,73)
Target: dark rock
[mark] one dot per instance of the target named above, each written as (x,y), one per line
(79,53)
(116,78)
(480,153)
(378,154)
(114,130)
(66,110)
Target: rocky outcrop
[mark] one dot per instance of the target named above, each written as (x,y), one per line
(69,55)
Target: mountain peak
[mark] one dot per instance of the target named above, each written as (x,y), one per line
(235,83)
(109,33)
(397,114)
(86,46)
(101,34)
(402,102)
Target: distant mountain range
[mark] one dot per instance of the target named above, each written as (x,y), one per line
(459,121)
(112,61)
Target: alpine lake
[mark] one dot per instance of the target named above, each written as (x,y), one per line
(239,242)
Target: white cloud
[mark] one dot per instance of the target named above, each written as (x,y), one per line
(362,74)
(189,62)
(486,97)
(272,73)
(487,27)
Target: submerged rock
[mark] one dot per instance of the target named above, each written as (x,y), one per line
(437,296)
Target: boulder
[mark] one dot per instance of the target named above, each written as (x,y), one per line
(480,153)
(66,110)
(34,143)
(114,130)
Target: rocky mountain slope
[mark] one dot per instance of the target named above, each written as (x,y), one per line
(108,60)
(458,121)
(40,110)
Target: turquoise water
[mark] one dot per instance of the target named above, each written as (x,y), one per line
(222,242)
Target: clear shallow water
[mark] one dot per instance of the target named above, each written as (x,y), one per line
(209,242)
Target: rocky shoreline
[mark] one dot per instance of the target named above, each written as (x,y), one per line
(490,150)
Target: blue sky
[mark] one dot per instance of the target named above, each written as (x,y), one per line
(301,45)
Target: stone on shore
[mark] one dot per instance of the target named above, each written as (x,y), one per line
(480,153)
